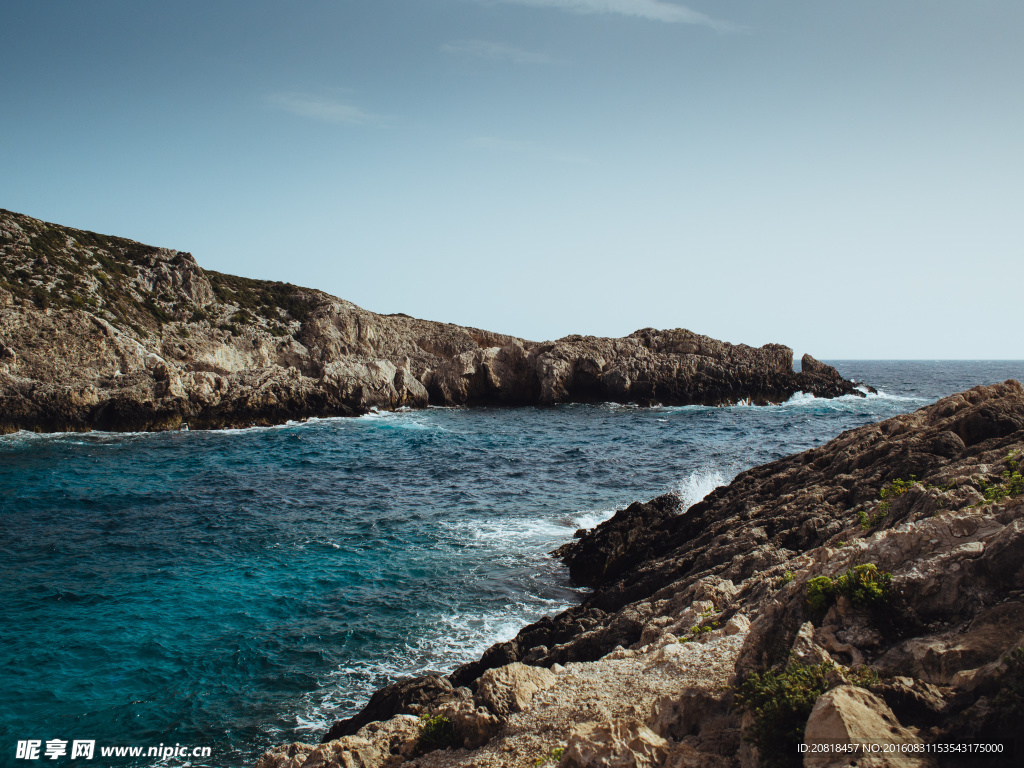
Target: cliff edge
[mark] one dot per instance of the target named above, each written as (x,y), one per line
(99,332)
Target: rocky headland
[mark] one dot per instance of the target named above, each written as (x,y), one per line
(100,332)
(867,592)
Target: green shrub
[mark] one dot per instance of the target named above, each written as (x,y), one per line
(897,488)
(436,732)
(863,585)
(554,756)
(781,703)
(866,522)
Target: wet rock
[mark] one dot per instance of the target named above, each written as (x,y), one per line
(412,696)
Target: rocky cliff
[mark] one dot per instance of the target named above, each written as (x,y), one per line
(868,593)
(100,332)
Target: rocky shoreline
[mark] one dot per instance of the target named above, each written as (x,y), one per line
(100,332)
(869,591)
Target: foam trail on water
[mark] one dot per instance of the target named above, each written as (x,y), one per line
(591,518)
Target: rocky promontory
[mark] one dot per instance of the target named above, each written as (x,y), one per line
(857,604)
(100,332)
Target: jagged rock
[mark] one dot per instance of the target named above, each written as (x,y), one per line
(942,659)
(914,701)
(675,717)
(375,745)
(805,648)
(286,756)
(737,624)
(511,688)
(616,744)
(686,756)
(473,726)
(412,696)
(614,546)
(852,715)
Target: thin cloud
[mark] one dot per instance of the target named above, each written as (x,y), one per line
(653,10)
(526,148)
(485,49)
(322,108)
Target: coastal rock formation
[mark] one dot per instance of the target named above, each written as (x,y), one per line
(100,332)
(869,591)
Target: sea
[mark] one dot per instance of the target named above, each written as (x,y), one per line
(228,591)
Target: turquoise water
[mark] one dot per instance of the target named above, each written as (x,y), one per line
(242,589)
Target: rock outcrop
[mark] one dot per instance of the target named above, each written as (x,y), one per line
(867,592)
(100,332)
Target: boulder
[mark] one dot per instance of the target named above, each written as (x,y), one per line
(619,743)
(473,726)
(511,688)
(852,715)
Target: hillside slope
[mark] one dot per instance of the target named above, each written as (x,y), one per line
(100,332)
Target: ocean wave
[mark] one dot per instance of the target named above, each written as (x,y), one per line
(698,485)
(403,418)
(800,398)
(591,518)
(449,641)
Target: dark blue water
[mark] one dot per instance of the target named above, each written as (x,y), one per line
(242,589)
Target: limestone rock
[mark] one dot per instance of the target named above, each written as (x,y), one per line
(737,624)
(686,756)
(616,744)
(675,717)
(941,659)
(511,688)
(852,715)
(473,726)
(372,747)
(286,756)
(806,650)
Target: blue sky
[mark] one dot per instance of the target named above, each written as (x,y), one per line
(844,177)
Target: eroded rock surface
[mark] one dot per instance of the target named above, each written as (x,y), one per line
(100,332)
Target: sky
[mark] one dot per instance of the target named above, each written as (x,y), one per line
(845,177)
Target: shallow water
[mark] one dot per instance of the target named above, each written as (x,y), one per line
(238,589)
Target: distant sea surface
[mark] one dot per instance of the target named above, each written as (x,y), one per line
(242,589)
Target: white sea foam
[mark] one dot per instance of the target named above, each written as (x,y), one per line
(452,639)
(806,398)
(699,484)
(591,518)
